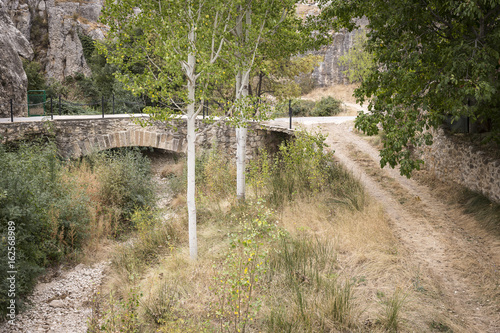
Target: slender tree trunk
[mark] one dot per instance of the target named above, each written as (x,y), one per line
(191,153)
(241,132)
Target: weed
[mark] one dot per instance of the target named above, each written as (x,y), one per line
(239,277)
(392,307)
(158,307)
(122,314)
(303,270)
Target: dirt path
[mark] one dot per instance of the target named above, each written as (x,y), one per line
(455,252)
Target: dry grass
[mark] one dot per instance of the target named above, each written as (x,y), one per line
(369,253)
(388,291)
(340,91)
(103,221)
(304,10)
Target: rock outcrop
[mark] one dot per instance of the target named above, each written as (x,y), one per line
(13,80)
(330,72)
(54,27)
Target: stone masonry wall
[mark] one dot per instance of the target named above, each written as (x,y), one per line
(453,159)
(75,138)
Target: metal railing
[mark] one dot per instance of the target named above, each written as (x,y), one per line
(112,101)
(57,105)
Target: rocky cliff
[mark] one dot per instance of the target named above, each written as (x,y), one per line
(13,81)
(330,72)
(50,30)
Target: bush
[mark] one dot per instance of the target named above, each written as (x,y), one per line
(300,108)
(327,106)
(125,178)
(49,219)
(36,79)
(302,168)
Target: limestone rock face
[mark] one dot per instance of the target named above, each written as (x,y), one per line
(53,28)
(330,72)
(65,21)
(13,80)
(65,54)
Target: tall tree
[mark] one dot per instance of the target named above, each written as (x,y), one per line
(265,28)
(168,51)
(434,59)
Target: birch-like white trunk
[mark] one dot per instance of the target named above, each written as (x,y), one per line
(191,153)
(242,81)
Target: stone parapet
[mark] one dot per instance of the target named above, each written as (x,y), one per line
(79,137)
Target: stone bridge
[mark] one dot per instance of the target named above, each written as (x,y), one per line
(77,136)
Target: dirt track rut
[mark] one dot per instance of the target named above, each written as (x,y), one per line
(462,258)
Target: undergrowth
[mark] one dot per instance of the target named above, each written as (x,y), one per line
(252,274)
(63,210)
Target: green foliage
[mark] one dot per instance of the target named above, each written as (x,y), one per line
(87,45)
(358,60)
(218,174)
(240,276)
(433,59)
(125,177)
(284,77)
(52,209)
(122,315)
(36,78)
(327,106)
(50,218)
(300,108)
(304,168)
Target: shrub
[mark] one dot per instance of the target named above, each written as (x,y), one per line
(300,108)
(49,219)
(36,79)
(303,168)
(125,178)
(327,106)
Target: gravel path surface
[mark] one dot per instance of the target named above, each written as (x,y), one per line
(61,305)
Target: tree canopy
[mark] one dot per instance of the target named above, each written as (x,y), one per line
(433,59)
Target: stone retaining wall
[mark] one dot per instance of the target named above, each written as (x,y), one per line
(451,158)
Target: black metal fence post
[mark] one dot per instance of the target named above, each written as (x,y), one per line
(11,111)
(204,107)
(102,105)
(51,110)
(290,111)
(113,103)
(60,112)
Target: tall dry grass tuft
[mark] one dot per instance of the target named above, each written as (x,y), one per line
(103,220)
